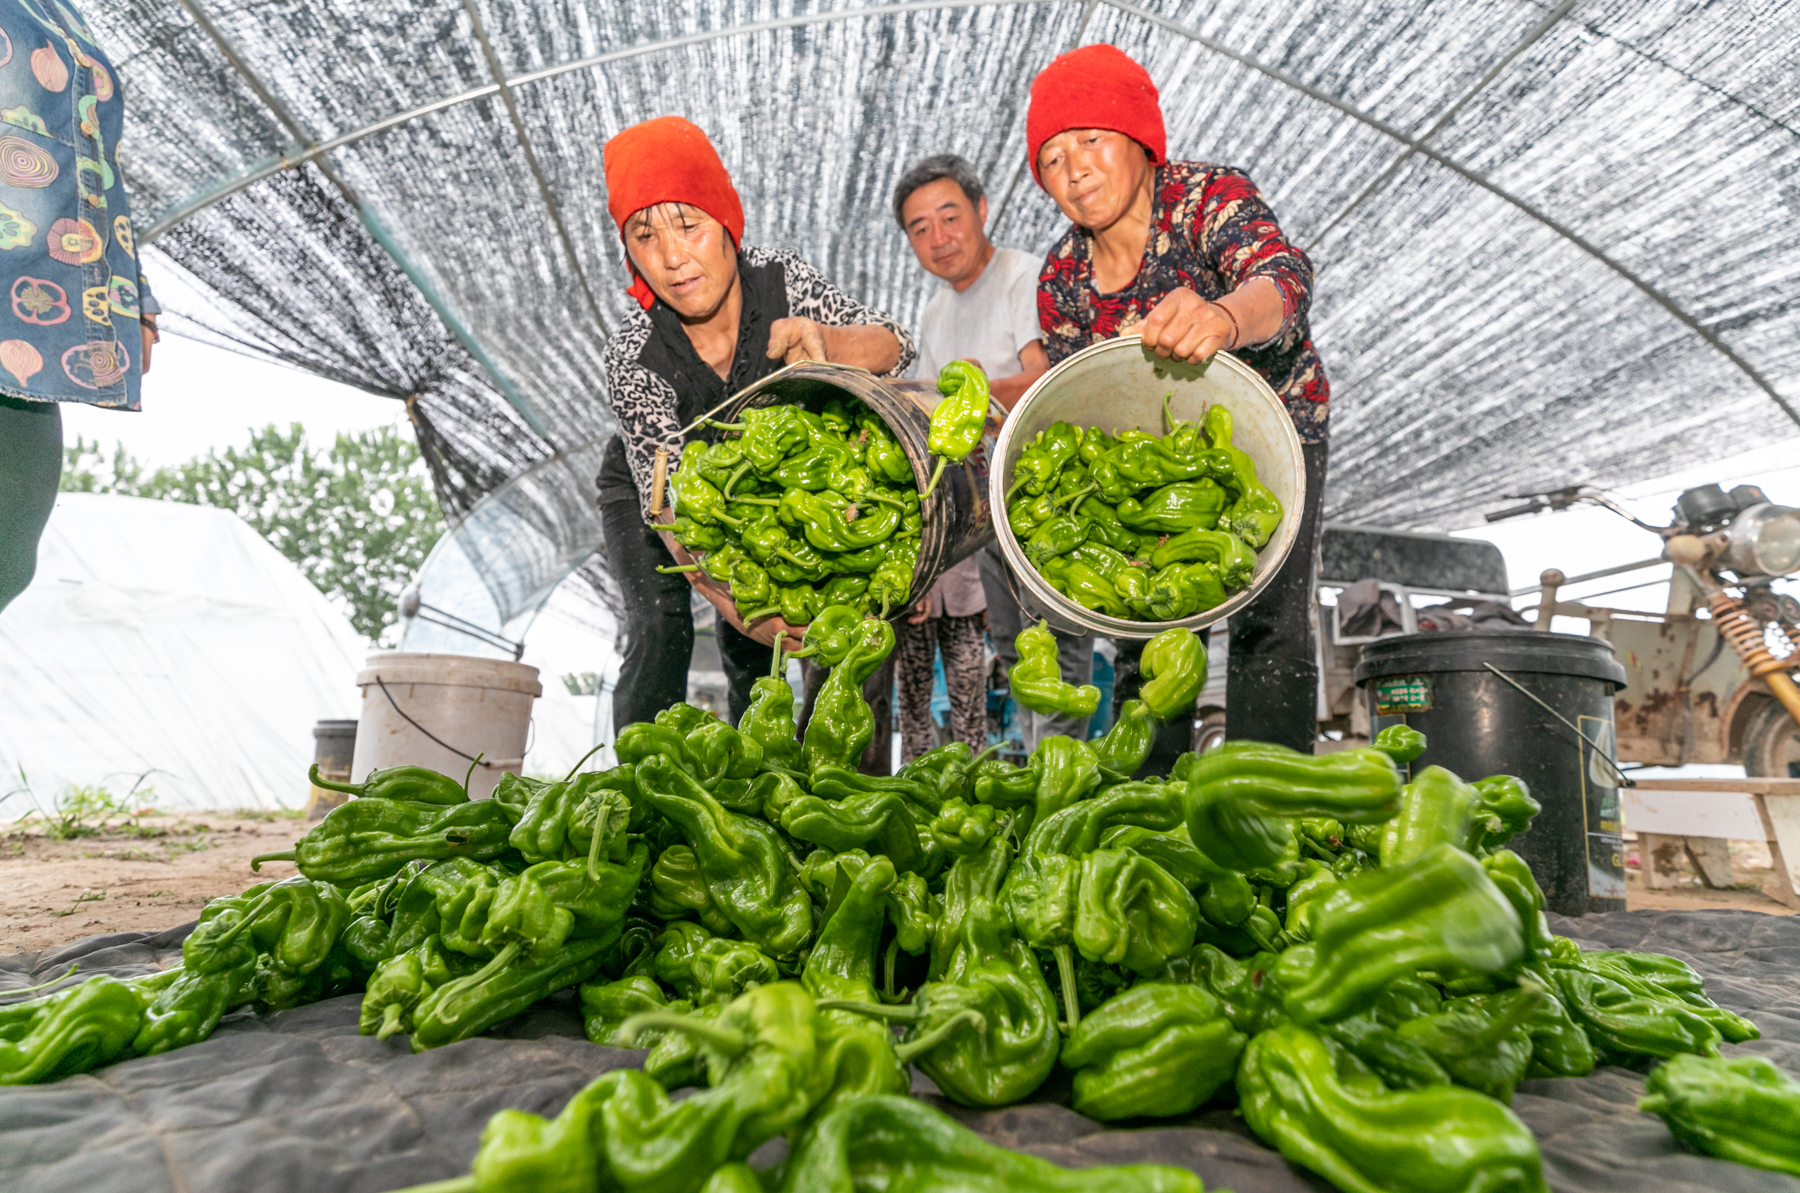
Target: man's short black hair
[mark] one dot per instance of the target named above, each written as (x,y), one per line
(930,169)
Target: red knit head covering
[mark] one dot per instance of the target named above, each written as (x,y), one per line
(1097,86)
(667,160)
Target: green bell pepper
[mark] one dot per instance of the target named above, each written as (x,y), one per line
(1256,513)
(1623,1023)
(1102,524)
(1435,808)
(1058,535)
(186,1011)
(769,721)
(365,840)
(983,1027)
(866,819)
(1505,810)
(885,458)
(416,784)
(1156,1050)
(1234,562)
(1559,1047)
(1089,589)
(1438,912)
(742,860)
(466,1006)
(1666,977)
(1174,508)
(1041,462)
(1323,1110)
(70,1031)
(841,967)
(1402,743)
(901,1145)
(546,826)
(1485,1047)
(606,1006)
(677,889)
(700,501)
(1177,591)
(402,982)
(707,969)
(891,583)
(1741,1109)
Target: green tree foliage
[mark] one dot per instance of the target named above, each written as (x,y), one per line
(357,519)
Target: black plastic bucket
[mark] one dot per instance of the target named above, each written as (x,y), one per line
(334,745)
(1477,724)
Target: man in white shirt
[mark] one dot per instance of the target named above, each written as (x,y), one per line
(985,312)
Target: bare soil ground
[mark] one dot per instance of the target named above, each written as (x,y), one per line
(160,871)
(1751,866)
(146,876)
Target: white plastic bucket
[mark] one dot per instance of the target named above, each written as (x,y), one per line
(440,710)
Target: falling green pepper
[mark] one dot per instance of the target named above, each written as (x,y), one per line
(959,418)
(1037,681)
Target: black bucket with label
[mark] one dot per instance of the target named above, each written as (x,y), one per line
(1496,703)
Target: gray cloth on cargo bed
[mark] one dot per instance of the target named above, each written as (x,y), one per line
(297,1100)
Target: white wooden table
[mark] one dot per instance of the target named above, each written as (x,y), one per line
(1698,816)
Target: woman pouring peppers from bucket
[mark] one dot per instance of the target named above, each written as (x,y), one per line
(715,317)
(1187,255)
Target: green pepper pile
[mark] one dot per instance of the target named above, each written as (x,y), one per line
(796,511)
(1355,956)
(1142,527)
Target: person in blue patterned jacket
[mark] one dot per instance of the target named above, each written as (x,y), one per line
(78,320)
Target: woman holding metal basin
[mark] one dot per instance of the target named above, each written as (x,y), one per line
(1187,255)
(715,316)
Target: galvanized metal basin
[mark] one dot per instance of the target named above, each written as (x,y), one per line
(1117,384)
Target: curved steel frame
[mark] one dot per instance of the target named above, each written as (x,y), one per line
(1411,145)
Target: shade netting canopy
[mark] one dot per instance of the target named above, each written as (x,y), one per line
(1555,241)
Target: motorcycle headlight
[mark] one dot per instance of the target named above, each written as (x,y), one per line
(1765,541)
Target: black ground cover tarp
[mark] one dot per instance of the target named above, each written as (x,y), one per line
(298,1101)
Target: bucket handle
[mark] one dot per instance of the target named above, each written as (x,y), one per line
(478,760)
(1625,780)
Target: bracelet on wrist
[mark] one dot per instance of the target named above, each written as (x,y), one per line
(1237,334)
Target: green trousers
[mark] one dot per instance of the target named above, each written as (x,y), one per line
(30,467)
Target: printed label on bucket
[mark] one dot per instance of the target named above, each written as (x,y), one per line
(1600,809)
(1402,694)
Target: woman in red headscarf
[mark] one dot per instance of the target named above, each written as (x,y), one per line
(1188,255)
(714,316)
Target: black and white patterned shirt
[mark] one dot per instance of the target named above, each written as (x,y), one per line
(657,384)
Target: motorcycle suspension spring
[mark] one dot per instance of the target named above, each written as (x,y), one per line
(1743,632)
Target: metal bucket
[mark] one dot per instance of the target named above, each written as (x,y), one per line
(1119,384)
(955,519)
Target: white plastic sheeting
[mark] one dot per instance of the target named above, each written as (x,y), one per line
(171,642)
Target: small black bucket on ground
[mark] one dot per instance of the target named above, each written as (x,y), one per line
(334,745)
(1471,695)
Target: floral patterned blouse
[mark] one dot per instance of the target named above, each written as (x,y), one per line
(68,259)
(1210,232)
